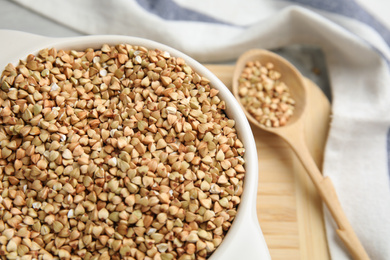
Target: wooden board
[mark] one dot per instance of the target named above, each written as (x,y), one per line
(288,207)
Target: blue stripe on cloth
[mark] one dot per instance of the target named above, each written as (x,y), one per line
(169,10)
(348,8)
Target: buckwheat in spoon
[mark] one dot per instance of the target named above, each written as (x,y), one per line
(272,94)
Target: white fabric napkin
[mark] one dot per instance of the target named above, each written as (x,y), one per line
(356,47)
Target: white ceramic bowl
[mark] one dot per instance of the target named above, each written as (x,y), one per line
(244,239)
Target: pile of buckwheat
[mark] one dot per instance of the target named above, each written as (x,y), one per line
(264,95)
(115,153)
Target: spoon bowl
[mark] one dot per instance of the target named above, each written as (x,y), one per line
(293,133)
(289,74)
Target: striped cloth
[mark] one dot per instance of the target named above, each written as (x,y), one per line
(356,47)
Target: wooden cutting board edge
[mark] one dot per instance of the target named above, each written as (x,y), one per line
(288,206)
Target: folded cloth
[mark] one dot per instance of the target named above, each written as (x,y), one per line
(357,52)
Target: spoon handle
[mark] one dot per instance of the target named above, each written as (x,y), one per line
(328,194)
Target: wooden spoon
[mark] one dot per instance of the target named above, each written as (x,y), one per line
(293,134)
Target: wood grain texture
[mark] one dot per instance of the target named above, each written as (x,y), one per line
(288,207)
